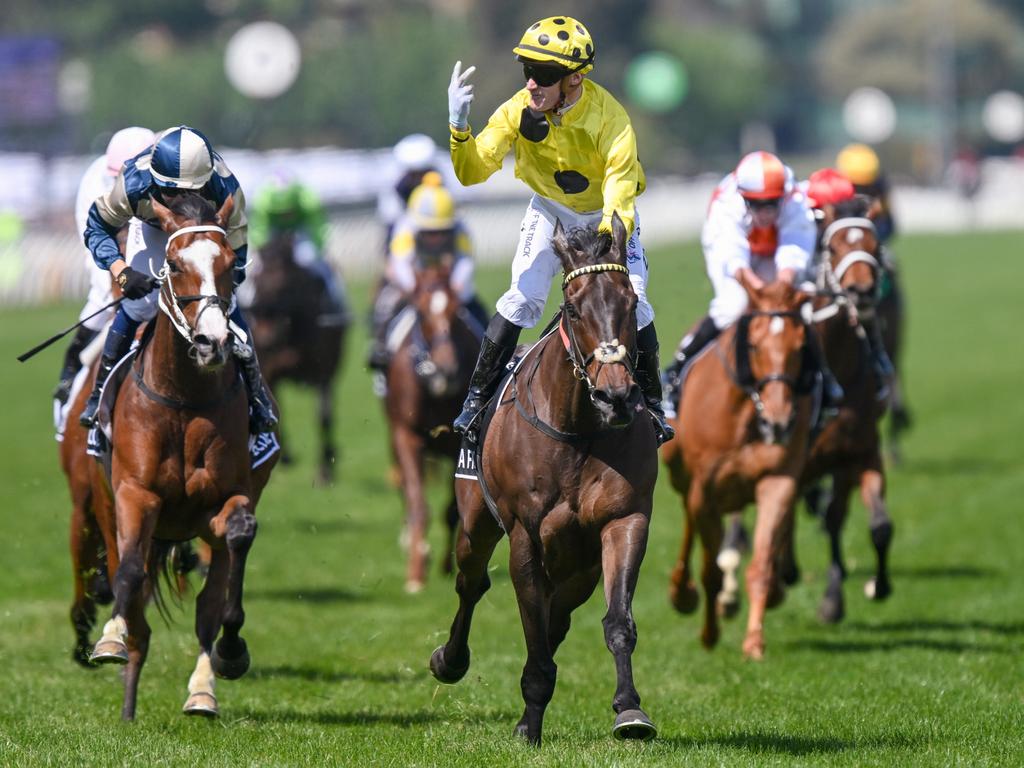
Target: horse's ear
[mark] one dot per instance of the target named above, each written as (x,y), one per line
(225,212)
(874,209)
(560,243)
(619,236)
(167,218)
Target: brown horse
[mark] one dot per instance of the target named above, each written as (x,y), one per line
(299,336)
(891,314)
(426,380)
(741,436)
(571,473)
(848,448)
(180,464)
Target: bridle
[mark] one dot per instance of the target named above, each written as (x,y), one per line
(830,278)
(172,304)
(607,352)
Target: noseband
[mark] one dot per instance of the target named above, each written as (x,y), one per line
(606,352)
(830,278)
(171,304)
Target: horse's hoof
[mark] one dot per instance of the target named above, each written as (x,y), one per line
(791,575)
(414,586)
(201,704)
(634,725)
(709,639)
(444,672)
(109,652)
(80,655)
(877,590)
(728,606)
(753,649)
(831,610)
(684,599)
(229,667)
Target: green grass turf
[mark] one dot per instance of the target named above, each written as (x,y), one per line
(339,677)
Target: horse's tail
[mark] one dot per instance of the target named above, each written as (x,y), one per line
(167,564)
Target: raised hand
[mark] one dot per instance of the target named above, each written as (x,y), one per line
(460,96)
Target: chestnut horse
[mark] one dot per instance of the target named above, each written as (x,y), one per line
(570,469)
(848,448)
(426,380)
(299,336)
(180,465)
(741,436)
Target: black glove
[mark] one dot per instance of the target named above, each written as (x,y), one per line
(134,284)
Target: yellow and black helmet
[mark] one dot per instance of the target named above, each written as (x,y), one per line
(558,40)
(431,207)
(859,163)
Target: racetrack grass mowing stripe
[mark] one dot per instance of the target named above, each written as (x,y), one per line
(931,677)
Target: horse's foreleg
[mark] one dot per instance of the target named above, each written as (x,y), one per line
(477,537)
(84,560)
(451,520)
(532,593)
(408,449)
(729,557)
(682,592)
(774,496)
(623,544)
(832,607)
(709,525)
(125,637)
(202,699)
(236,524)
(872,490)
(328,457)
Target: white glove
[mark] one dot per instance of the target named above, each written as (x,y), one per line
(460,96)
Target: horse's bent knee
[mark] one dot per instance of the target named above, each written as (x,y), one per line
(241,530)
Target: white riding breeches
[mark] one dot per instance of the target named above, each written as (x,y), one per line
(730,300)
(100,294)
(144,251)
(536,263)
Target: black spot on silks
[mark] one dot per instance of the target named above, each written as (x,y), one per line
(543,39)
(559,21)
(563,35)
(590,50)
(571,182)
(575,53)
(533,125)
(580,29)
(535,25)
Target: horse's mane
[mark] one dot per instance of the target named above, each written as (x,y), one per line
(193,206)
(856,207)
(589,241)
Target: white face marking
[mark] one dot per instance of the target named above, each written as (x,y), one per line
(853,234)
(201,255)
(438,302)
(776,326)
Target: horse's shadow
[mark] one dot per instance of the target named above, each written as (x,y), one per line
(760,742)
(1009,629)
(363,717)
(314,674)
(950,571)
(312,595)
(827,645)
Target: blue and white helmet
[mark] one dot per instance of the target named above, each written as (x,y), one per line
(182,157)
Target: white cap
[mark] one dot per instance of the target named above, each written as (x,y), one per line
(416,152)
(126,144)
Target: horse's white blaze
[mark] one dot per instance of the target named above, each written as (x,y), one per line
(610,352)
(202,678)
(438,302)
(201,256)
(776,326)
(854,234)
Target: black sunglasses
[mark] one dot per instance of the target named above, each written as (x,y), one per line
(760,205)
(543,76)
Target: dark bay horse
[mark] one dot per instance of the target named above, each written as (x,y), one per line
(426,380)
(180,465)
(570,461)
(299,336)
(848,448)
(891,314)
(741,436)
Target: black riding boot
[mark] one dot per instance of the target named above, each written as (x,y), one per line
(72,362)
(114,348)
(261,414)
(499,344)
(884,370)
(832,393)
(692,343)
(648,376)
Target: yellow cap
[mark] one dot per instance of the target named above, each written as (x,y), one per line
(858,163)
(431,206)
(558,40)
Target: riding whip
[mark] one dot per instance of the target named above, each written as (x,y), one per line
(40,347)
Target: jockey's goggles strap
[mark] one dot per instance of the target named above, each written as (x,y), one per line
(201,228)
(590,269)
(848,223)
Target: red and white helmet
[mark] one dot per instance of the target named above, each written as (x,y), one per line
(126,144)
(762,176)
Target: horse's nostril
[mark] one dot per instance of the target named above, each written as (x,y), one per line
(202,340)
(601,396)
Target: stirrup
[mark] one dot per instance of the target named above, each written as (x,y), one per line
(466,422)
(87,418)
